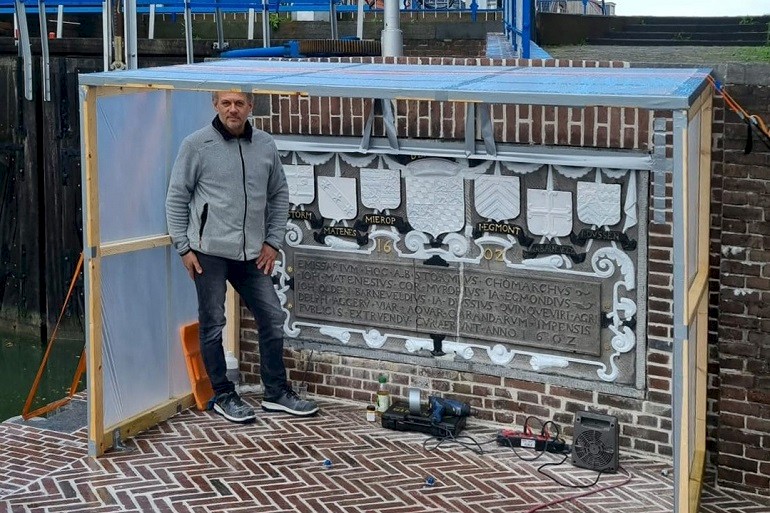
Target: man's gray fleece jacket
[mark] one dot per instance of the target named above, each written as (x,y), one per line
(227,195)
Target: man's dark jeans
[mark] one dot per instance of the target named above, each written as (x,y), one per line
(256,290)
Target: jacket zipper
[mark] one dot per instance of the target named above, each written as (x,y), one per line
(245,198)
(204,216)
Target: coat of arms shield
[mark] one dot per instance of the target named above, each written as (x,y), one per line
(300,179)
(380,188)
(337,197)
(497,197)
(435,204)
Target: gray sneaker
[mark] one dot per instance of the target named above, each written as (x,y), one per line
(290,402)
(230,406)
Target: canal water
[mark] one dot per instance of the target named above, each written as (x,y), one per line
(20,359)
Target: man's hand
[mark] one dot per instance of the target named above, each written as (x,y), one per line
(266,260)
(190,262)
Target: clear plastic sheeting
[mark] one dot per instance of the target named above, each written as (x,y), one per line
(133,144)
(187,112)
(146,293)
(146,296)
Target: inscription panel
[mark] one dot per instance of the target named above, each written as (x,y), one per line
(515,308)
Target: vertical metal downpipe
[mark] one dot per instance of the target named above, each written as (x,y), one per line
(392,39)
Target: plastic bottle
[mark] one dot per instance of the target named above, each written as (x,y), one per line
(371,414)
(233,372)
(383,396)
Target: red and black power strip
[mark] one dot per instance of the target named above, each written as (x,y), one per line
(539,442)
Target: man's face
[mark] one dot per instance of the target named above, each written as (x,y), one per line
(233,110)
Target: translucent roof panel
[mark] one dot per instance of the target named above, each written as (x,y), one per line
(655,88)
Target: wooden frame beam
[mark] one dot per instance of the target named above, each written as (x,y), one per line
(92,272)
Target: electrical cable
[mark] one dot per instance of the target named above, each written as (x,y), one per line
(584,494)
(527,430)
(434,442)
(567,485)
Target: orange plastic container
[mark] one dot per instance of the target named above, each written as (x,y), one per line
(199,380)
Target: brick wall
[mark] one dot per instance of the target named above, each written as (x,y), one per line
(741,437)
(600,127)
(646,420)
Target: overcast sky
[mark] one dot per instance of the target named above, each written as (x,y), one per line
(691,7)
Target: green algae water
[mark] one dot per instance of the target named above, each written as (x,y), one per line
(20,358)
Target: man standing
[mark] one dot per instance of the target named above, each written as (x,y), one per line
(226,211)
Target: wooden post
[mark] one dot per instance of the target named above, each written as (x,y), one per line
(92,272)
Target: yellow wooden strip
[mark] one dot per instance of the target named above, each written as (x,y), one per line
(696,107)
(685,225)
(131,245)
(93,271)
(147,419)
(696,481)
(695,293)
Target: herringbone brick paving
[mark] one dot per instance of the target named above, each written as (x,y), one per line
(197,462)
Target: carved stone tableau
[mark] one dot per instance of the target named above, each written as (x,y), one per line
(395,275)
(553,313)
(497,197)
(300,179)
(380,188)
(337,197)
(598,203)
(549,213)
(435,205)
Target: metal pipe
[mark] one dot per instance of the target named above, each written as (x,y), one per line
(392,38)
(360,20)
(129,19)
(44,51)
(59,21)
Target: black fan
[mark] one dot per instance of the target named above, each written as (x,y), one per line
(595,444)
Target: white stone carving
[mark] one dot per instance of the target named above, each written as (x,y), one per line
(337,197)
(497,197)
(521,168)
(374,338)
(550,262)
(435,205)
(340,244)
(341,334)
(301,181)
(549,213)
(573,172)
(630,204)
(457,245)
(598,203)
(315,159)
(293,235)
(358,159)
(433,167)
(281,289)
(542,361)
(500,355)
(604,262)
(380,188)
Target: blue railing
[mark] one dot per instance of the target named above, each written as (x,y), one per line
(517,24)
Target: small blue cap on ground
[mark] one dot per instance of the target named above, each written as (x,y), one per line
(430,480)
(328,463)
